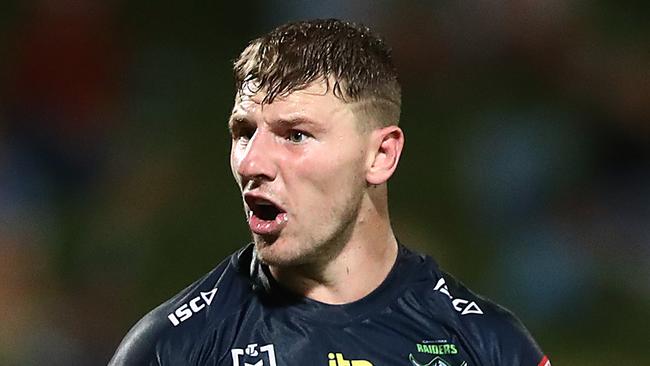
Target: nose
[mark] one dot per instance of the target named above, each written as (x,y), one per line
(257,162)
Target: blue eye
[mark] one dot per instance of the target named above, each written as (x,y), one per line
(297,136)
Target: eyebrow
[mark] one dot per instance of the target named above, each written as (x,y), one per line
(237,122)
(237,119)
(296,121)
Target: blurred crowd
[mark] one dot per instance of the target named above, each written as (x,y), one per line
(528,144)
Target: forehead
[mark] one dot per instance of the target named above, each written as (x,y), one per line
(316,100)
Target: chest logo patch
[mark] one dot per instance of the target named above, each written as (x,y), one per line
(438,348)
(441,347)
(251,356)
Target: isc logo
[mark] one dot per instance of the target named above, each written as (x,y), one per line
(336,359)
(195,305)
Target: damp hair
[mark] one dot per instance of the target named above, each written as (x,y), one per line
(352,61)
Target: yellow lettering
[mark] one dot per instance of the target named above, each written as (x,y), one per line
(336,359)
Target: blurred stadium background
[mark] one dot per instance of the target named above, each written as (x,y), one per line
(526,171)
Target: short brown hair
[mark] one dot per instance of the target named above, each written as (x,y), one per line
(294,55)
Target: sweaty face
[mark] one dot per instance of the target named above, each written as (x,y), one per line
(299,162)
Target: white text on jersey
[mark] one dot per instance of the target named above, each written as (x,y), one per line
(195,305)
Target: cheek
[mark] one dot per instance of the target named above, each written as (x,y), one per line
(332,174)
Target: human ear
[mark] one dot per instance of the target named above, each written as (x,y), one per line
(386,148)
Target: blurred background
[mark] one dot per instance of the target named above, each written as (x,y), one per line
(526,172)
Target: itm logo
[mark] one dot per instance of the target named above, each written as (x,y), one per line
(251,354)
(336,359)
(195,305)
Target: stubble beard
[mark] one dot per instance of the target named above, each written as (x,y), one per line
(312,249)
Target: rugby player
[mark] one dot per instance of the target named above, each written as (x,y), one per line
(315,138)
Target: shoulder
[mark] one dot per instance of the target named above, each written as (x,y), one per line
(497,332)
(204,303)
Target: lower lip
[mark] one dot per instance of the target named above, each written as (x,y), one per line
(268,227)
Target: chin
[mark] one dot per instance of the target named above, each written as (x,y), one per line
(277,252)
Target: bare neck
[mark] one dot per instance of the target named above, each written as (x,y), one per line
(359,268)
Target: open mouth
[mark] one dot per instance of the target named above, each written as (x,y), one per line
(265,217)
(265,210)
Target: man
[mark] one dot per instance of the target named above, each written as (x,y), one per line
(315,139)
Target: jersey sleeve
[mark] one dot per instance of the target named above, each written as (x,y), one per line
(168,333)
(139,345)
(512,343)
(499,335)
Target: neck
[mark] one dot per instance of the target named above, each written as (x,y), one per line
(355,271)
